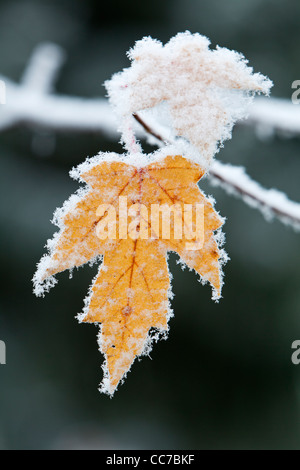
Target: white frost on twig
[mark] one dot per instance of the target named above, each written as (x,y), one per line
(32,103)
(275,115)
(271,202)
(56,113)
(43,68)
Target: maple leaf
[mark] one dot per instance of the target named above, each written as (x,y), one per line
(130,294)
(206,90)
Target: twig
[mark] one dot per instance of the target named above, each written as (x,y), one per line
(147,128)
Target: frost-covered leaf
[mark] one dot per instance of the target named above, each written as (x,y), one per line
(130,295)
(206,90)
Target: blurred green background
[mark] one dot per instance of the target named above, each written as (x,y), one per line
(224,378)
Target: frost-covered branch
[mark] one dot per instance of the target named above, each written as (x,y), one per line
(58,113)
(32,103)
(271,115)
(271,202)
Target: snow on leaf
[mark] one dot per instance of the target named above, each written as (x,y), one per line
(130,295)
(207,90)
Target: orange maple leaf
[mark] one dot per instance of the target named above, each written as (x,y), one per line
(130,295)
